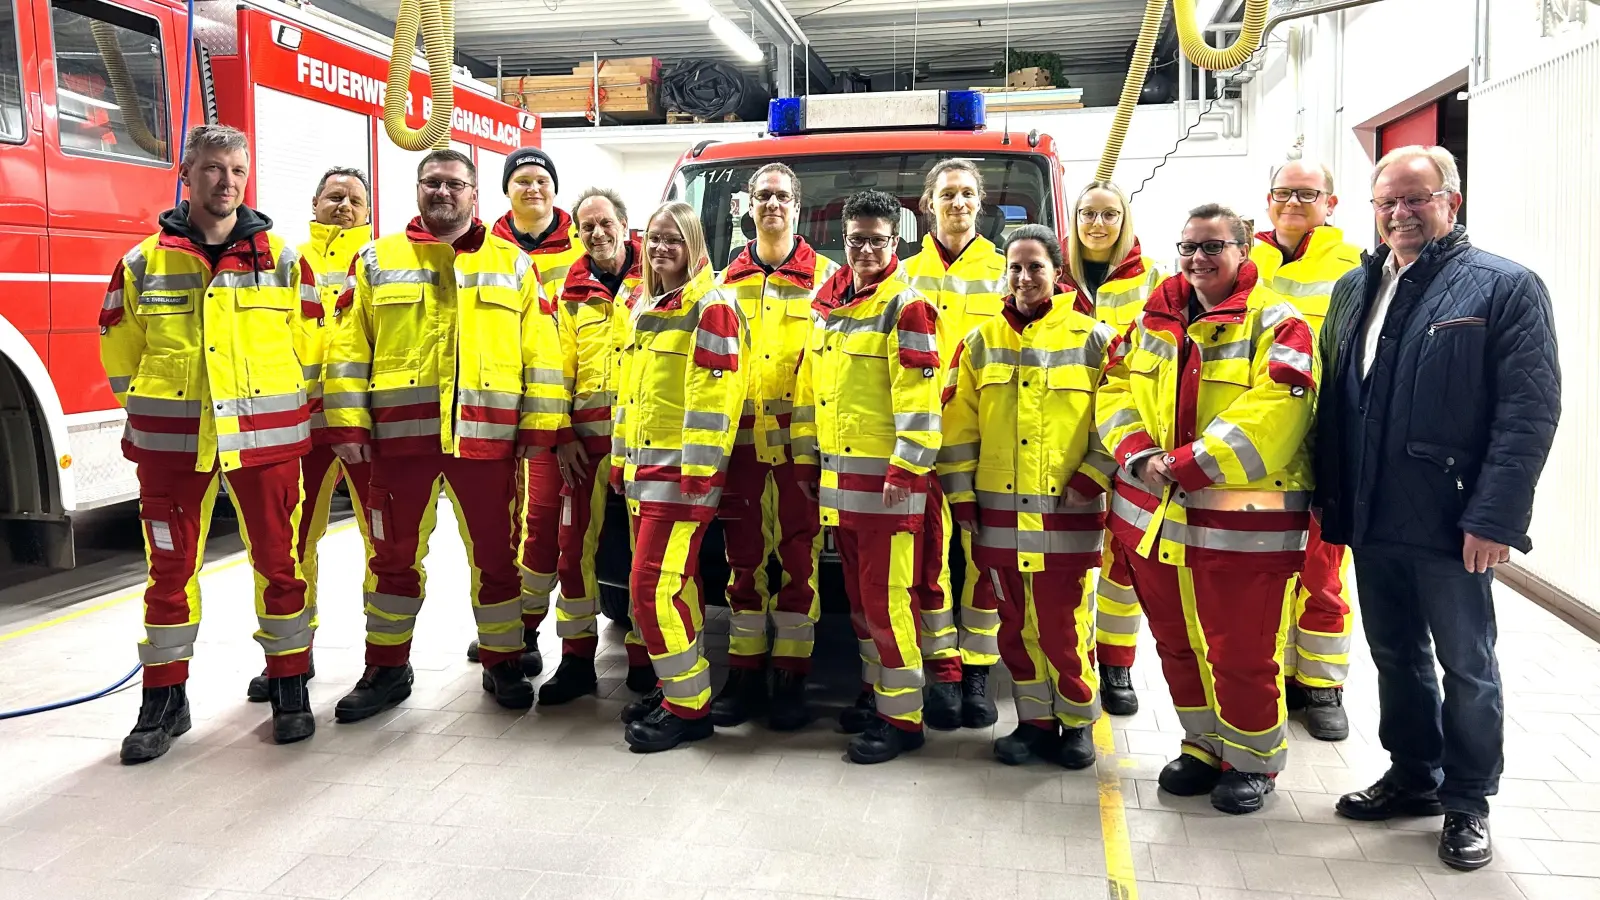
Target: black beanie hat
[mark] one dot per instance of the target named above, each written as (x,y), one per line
(528,156)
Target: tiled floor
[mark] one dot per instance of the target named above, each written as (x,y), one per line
(451,797)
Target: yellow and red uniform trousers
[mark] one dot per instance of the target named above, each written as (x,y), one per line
(965,286)
(1227,400)
(560,524)
(205,357)
(435,364)
(1318,653)
(682,388)
(1019,434)
(867,415)
(763,502)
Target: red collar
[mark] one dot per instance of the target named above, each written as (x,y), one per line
(560,238)
(1019,319)
(236,257)
(471,242)
(1169,304)
(582,283)
(1270,238)
(1131,266)
(945,255)
(839,291)
(800,268)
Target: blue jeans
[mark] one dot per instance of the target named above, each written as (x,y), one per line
(1455,747)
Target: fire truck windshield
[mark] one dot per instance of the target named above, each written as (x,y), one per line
(1017,190)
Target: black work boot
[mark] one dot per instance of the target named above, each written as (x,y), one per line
(1116,691)
(1294,696)
(663,730)
(291,709)
(1388,799)
(882,742)
(574,678)
(977,710)
(1464,842)
(1188,776)
(855,719)
(1239,792)
(510,687)
(163,715)
(642,707)
(380,688)
(532,659)
(1077,748)
(788,710)
(1027,743)
(743,696)
(941,705)
(472,652)
(257,692)
(642,679)
(1324,714)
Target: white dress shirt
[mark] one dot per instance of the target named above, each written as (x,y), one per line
(1392,270)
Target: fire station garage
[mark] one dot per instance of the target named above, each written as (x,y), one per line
(924,449)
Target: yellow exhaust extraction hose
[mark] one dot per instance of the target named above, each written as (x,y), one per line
(1195,49)
(105,41)
(437,19)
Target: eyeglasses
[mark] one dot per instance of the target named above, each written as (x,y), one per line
(1108,216)
(453,185)
(665,240)
(1304,195)
(1209,248)
(875,241)
(783,197)
(1414,202)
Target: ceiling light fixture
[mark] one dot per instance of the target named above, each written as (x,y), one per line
(728,33)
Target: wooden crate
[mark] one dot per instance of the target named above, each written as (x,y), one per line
(645,67)
(1032,76)
(622,98)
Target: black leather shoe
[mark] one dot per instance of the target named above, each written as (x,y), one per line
(977,710)
(642,679)
(1077,748)
(380,688)
(855,719)
(574,678)
(882,742)
(1294,696)
(1239,792)
(291,709)
(743,696)
(532,660)
(1116,691)
(1188,776)
(1384,800)
(472,652)
(941,705)
(661,730)
(1464,842)
(510,687)
(1027,743)
(163,715)
(257,691)
(1324,714)
(788,710)
(642,707)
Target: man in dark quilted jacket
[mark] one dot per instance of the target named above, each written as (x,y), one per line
(1440,397)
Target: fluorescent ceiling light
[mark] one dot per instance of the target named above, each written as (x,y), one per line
(699,9)
(737,41)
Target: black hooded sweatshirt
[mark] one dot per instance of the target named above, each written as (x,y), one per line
(249,223)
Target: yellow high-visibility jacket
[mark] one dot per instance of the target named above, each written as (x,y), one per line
(965,293)
(683,386)
(777,311)
(1227,400)
(593,327)
(554,255)
(436,349)
(1306,279)
(1121,298)
(867,403)
(208,362)
(1019,431)
(329,253)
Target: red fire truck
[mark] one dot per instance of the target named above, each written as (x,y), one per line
(91,127)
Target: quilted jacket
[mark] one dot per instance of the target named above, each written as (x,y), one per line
(1452,425)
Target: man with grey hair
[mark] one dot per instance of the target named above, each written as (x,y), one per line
(1440,397)
(202,334)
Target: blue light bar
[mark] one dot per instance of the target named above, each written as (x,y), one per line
(786,115)
(950,110)
(963,110)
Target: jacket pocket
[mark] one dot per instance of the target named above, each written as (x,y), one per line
(396,294)
(996,373)
(1451,460)
(274,298)
(1068,378)
(1458,322)
(500,296)
(163,533)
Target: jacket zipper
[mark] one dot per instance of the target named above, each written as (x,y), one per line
(1461,322)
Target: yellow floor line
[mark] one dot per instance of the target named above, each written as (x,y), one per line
(1120,881)
(220,565)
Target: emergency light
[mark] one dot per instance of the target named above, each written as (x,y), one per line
(950,110)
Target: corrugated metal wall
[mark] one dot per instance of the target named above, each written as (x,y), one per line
(1536,199)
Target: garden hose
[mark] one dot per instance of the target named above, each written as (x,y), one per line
(105,41)
(437,20)
(1195,48)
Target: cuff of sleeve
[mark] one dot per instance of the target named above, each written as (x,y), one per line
(615,477)
(537,437)
(694,485)
(1132,447)
(351,435)
(900,477)
(1188,472)
(965,511)
(1085,485)
(563,435)
(807,472)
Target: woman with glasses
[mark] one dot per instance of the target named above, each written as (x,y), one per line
(1025,473)
(1206,405)
(1113,278)
(682,389)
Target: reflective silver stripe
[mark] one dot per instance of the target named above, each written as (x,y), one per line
(1094,348)
(1324,645)
(956,482)
(536,583)
(601,428)
(1115,624)
(255,406)
(1246,501)
(1126,510)
(677,664)
(1207,462)
(1122,418)
(113,300)
(159,441)
(881,323)
(168,643)
(576,624)
(979,619)
(685,690)
(868,502)
(1109,590)
(702,455)
(331,279)
(656,323)
(533,375)
(1249,458)
(916,340)
(778,436)
(1197,722)
(488,279)
(803,415)
(288,634)
(711,343)
(594,400)
(1033,700)
(1152,344)
(856,465)
(381,277)
(119,383)
(805,447)
(1006,500)
(1321,670)
(980,643)
(1281,312)
(749,408)
(490,399)
(362,371)
(1229,350)
(311,373)
(428,427)
(543,404)
(914,453)
(937,620)
(794,627)
(257,279)
(486,431)
(706,421)
(747,623)
(952,284)
(949,453)
(899,679)
(497,613)
(669,492)
(1290,357)
(1050,359)
(345,400)
(404,396)
(655,456)
(158,407)
(1288,287)
(1232,540)
(777,407)
(393,604)
(1266,746)
(172,281)
(1031,541)
(917,421)
(901,705)
(264,438)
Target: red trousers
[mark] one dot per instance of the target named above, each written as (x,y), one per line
(1045,622)
(404,500)
(765,510)
(561,534)
(1219,633)
(669,609)
(319,474)
(885,573)
(1318,654)
(1117,617)
(175,511)
(541,487)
